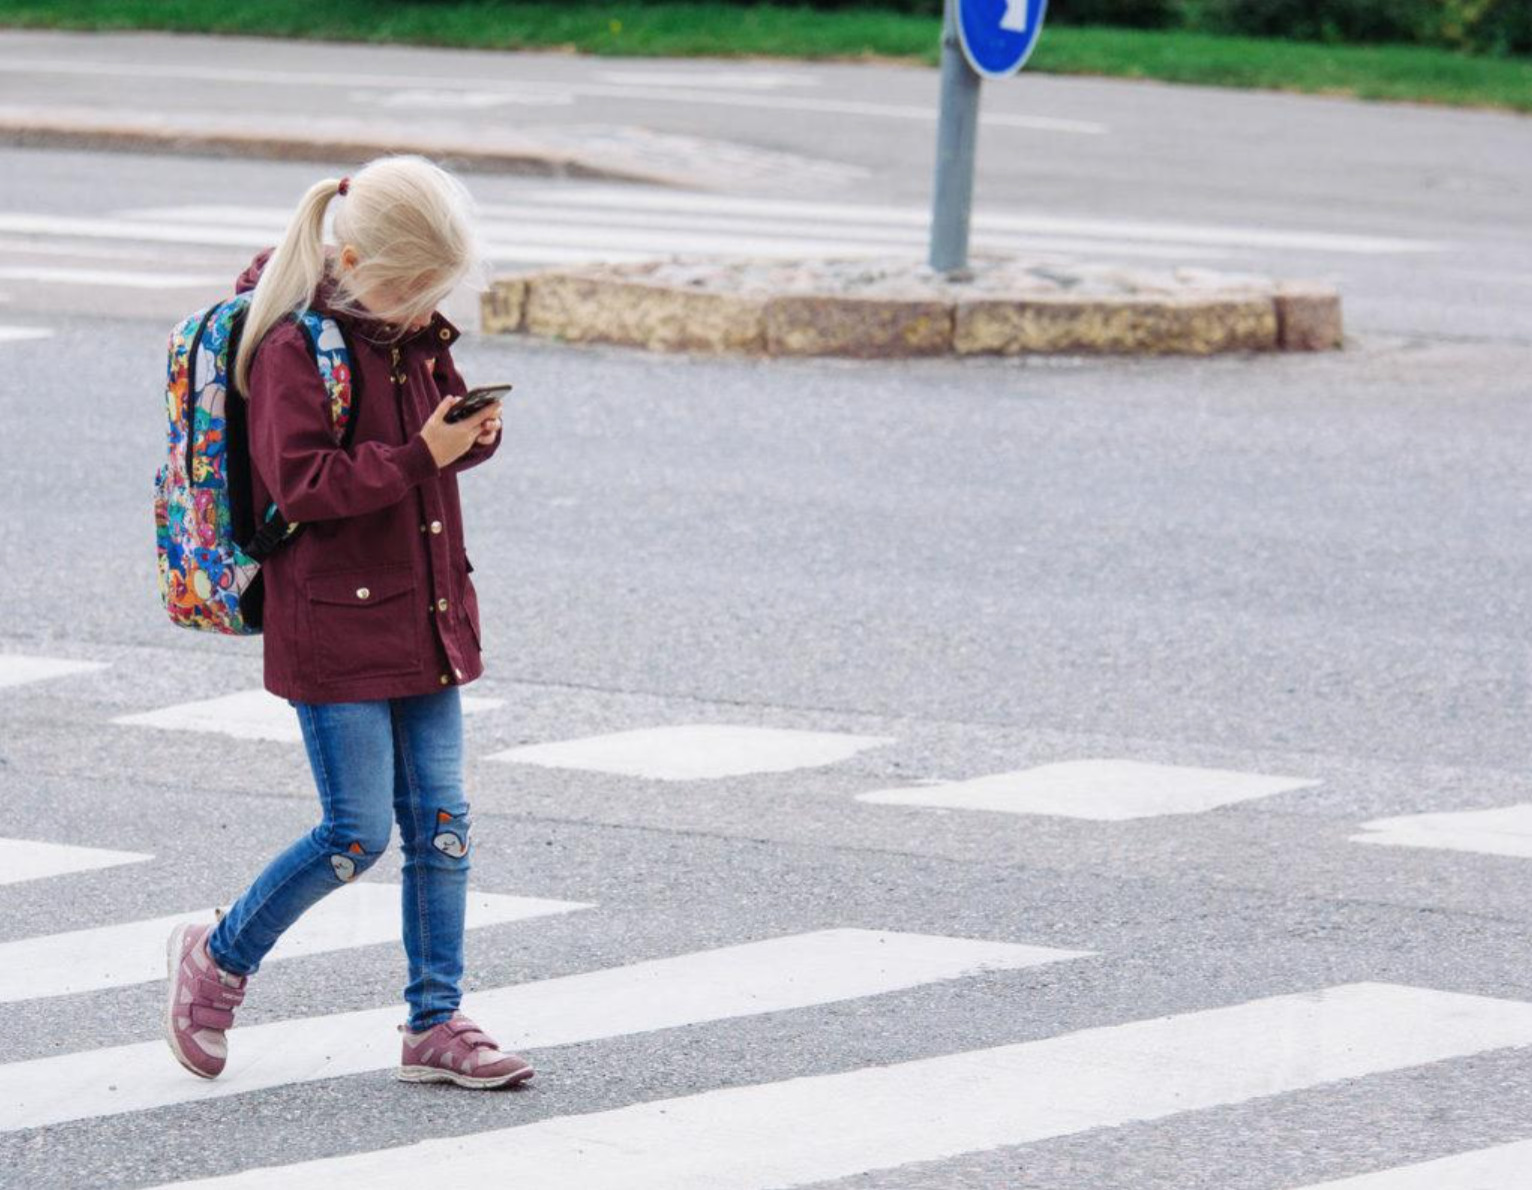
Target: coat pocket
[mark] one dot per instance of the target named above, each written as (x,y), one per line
(471,607)
(364,623)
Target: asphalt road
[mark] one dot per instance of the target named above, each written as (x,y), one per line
(1302,567)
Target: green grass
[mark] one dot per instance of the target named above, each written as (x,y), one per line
(726,30)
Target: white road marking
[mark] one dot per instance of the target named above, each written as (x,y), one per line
(360,914)
(250,715)
(1504,830)
(20,334)
(1503,1167)
(691,96)
(728,80)
(882,1117)
(124,280)
(535,232)
(420,98)
(695,751)
(1103,790)
(616,198)
(33,859)
(776,975)
(17,669)
(615,208)
(552,241)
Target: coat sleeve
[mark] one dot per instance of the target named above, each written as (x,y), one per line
(451,384)
(293,447)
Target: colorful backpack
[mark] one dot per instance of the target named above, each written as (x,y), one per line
(209,543)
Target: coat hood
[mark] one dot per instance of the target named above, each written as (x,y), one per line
(373,329)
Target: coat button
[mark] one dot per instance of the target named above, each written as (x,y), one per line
(444,333)
(436,526)
(362,592)
(441,605)
(445,679)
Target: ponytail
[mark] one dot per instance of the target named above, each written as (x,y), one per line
(290,278)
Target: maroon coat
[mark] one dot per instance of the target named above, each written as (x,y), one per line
(372,599)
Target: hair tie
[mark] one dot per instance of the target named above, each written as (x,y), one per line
(345,184)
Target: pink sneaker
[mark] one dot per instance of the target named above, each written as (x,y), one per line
(458,1051)
(201,1003)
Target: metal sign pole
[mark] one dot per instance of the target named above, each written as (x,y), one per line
(956,131)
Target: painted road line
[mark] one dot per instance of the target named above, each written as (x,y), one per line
(779,974)
(881,1117)
(864,214)
(696,751)
(1504,830)
(1102,790)
(533,230)
(361,914)
(250,715)
(17,669)
(20,334)
(33,859)
(1504,1167)
(108,277)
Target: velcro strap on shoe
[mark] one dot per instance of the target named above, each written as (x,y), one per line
(212,990)
(207,1014)
(471,1033)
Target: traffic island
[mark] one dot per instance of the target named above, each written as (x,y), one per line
(888,307)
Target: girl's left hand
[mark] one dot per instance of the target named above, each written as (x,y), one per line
(491,428)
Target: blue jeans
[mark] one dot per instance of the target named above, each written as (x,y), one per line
(363,754)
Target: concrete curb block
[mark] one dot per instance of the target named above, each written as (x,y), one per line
(322,141)
(600,304)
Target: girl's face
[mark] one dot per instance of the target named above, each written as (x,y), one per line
(385,298)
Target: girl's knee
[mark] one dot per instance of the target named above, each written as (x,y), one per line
(351,853)
(449,833)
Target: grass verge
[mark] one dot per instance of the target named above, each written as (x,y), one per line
(704,29)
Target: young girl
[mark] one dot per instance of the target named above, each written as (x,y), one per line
(370,622)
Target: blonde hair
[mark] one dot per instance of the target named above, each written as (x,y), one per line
(413,227)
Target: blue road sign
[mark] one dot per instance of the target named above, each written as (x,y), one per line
(998,35)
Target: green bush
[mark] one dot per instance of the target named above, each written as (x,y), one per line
(1494,26)
(1138,14)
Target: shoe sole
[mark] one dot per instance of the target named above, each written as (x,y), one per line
(435,1074)
(173,951)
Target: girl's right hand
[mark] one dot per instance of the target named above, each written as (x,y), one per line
(450,440)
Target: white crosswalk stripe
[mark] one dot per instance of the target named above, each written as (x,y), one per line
(1503,1167)
(18,669)
(795,971)
(881,1117)
(547,224)
(1105,790)
(1504,830)
(34,859)
(21,334)
(361,914)
(696,751)
(250,715)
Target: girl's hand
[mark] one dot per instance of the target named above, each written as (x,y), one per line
(491,427)
(450,440)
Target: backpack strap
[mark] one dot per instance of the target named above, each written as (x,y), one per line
(330,346)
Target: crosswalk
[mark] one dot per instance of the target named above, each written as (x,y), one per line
(365,913)
(948,1103)
(874,1118)
(175,248)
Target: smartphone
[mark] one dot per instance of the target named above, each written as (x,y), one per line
(475,399)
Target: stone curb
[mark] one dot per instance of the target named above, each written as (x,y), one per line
(320,140)
(597,304)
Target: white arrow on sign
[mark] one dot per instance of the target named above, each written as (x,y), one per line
(1015,18)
